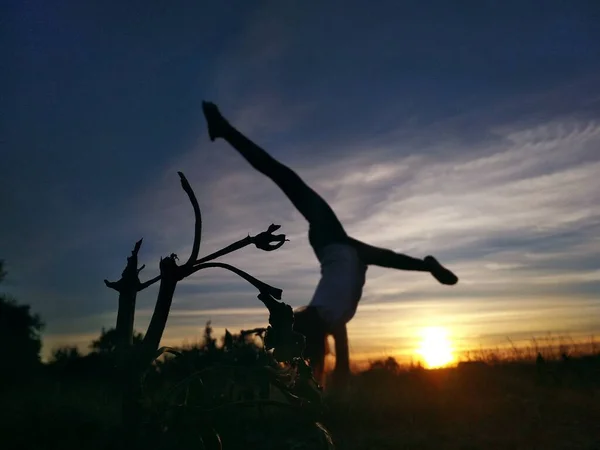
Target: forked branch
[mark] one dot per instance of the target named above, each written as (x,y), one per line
(171,273)
(266,241)
(263,288)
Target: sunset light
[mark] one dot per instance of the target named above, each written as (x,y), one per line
(435,347)
(396,207)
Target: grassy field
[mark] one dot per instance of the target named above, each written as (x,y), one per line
(497,407)
(555,405)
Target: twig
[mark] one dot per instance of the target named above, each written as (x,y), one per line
(262,287)
(148,283)
(198,219)
(225,250)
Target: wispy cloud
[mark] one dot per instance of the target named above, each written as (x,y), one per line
(514,216)
(479,150)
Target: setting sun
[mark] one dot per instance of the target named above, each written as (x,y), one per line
(435,348)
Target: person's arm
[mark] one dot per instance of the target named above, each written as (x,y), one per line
(341,372)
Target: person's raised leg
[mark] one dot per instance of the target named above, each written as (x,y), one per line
(310,204)
(387,258)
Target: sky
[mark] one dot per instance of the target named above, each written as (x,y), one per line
(468,133)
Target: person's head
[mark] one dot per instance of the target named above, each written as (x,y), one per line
(308,323)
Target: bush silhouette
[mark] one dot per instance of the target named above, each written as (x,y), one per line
(108,341)
(20,330)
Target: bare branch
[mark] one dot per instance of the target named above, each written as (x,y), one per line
(137,246)
(265,239)
(198,225)
(262,287)
(148,283)
(127,287)
(130,272)
(169,271)
(224,251)
(112,284)
(262,240)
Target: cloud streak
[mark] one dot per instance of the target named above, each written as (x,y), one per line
(425,138)
(514,217)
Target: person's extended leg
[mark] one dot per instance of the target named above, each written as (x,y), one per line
(387,258)
(310,204)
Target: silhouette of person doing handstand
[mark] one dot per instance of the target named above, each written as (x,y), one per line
(343,259)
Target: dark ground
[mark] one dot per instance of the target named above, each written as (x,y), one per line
(475,406)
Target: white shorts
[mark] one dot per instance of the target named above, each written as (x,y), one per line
(342,280)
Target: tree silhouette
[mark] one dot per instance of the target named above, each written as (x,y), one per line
(63,355)
(2,271)
(20,331)
(108,341)
(388,365)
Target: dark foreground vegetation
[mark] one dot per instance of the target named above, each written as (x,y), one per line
(222,388)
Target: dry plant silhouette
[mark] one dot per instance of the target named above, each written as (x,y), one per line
(196,418)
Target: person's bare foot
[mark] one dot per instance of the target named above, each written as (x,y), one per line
(217,124)
(439,272)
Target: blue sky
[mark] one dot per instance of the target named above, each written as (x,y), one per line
(468,133)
